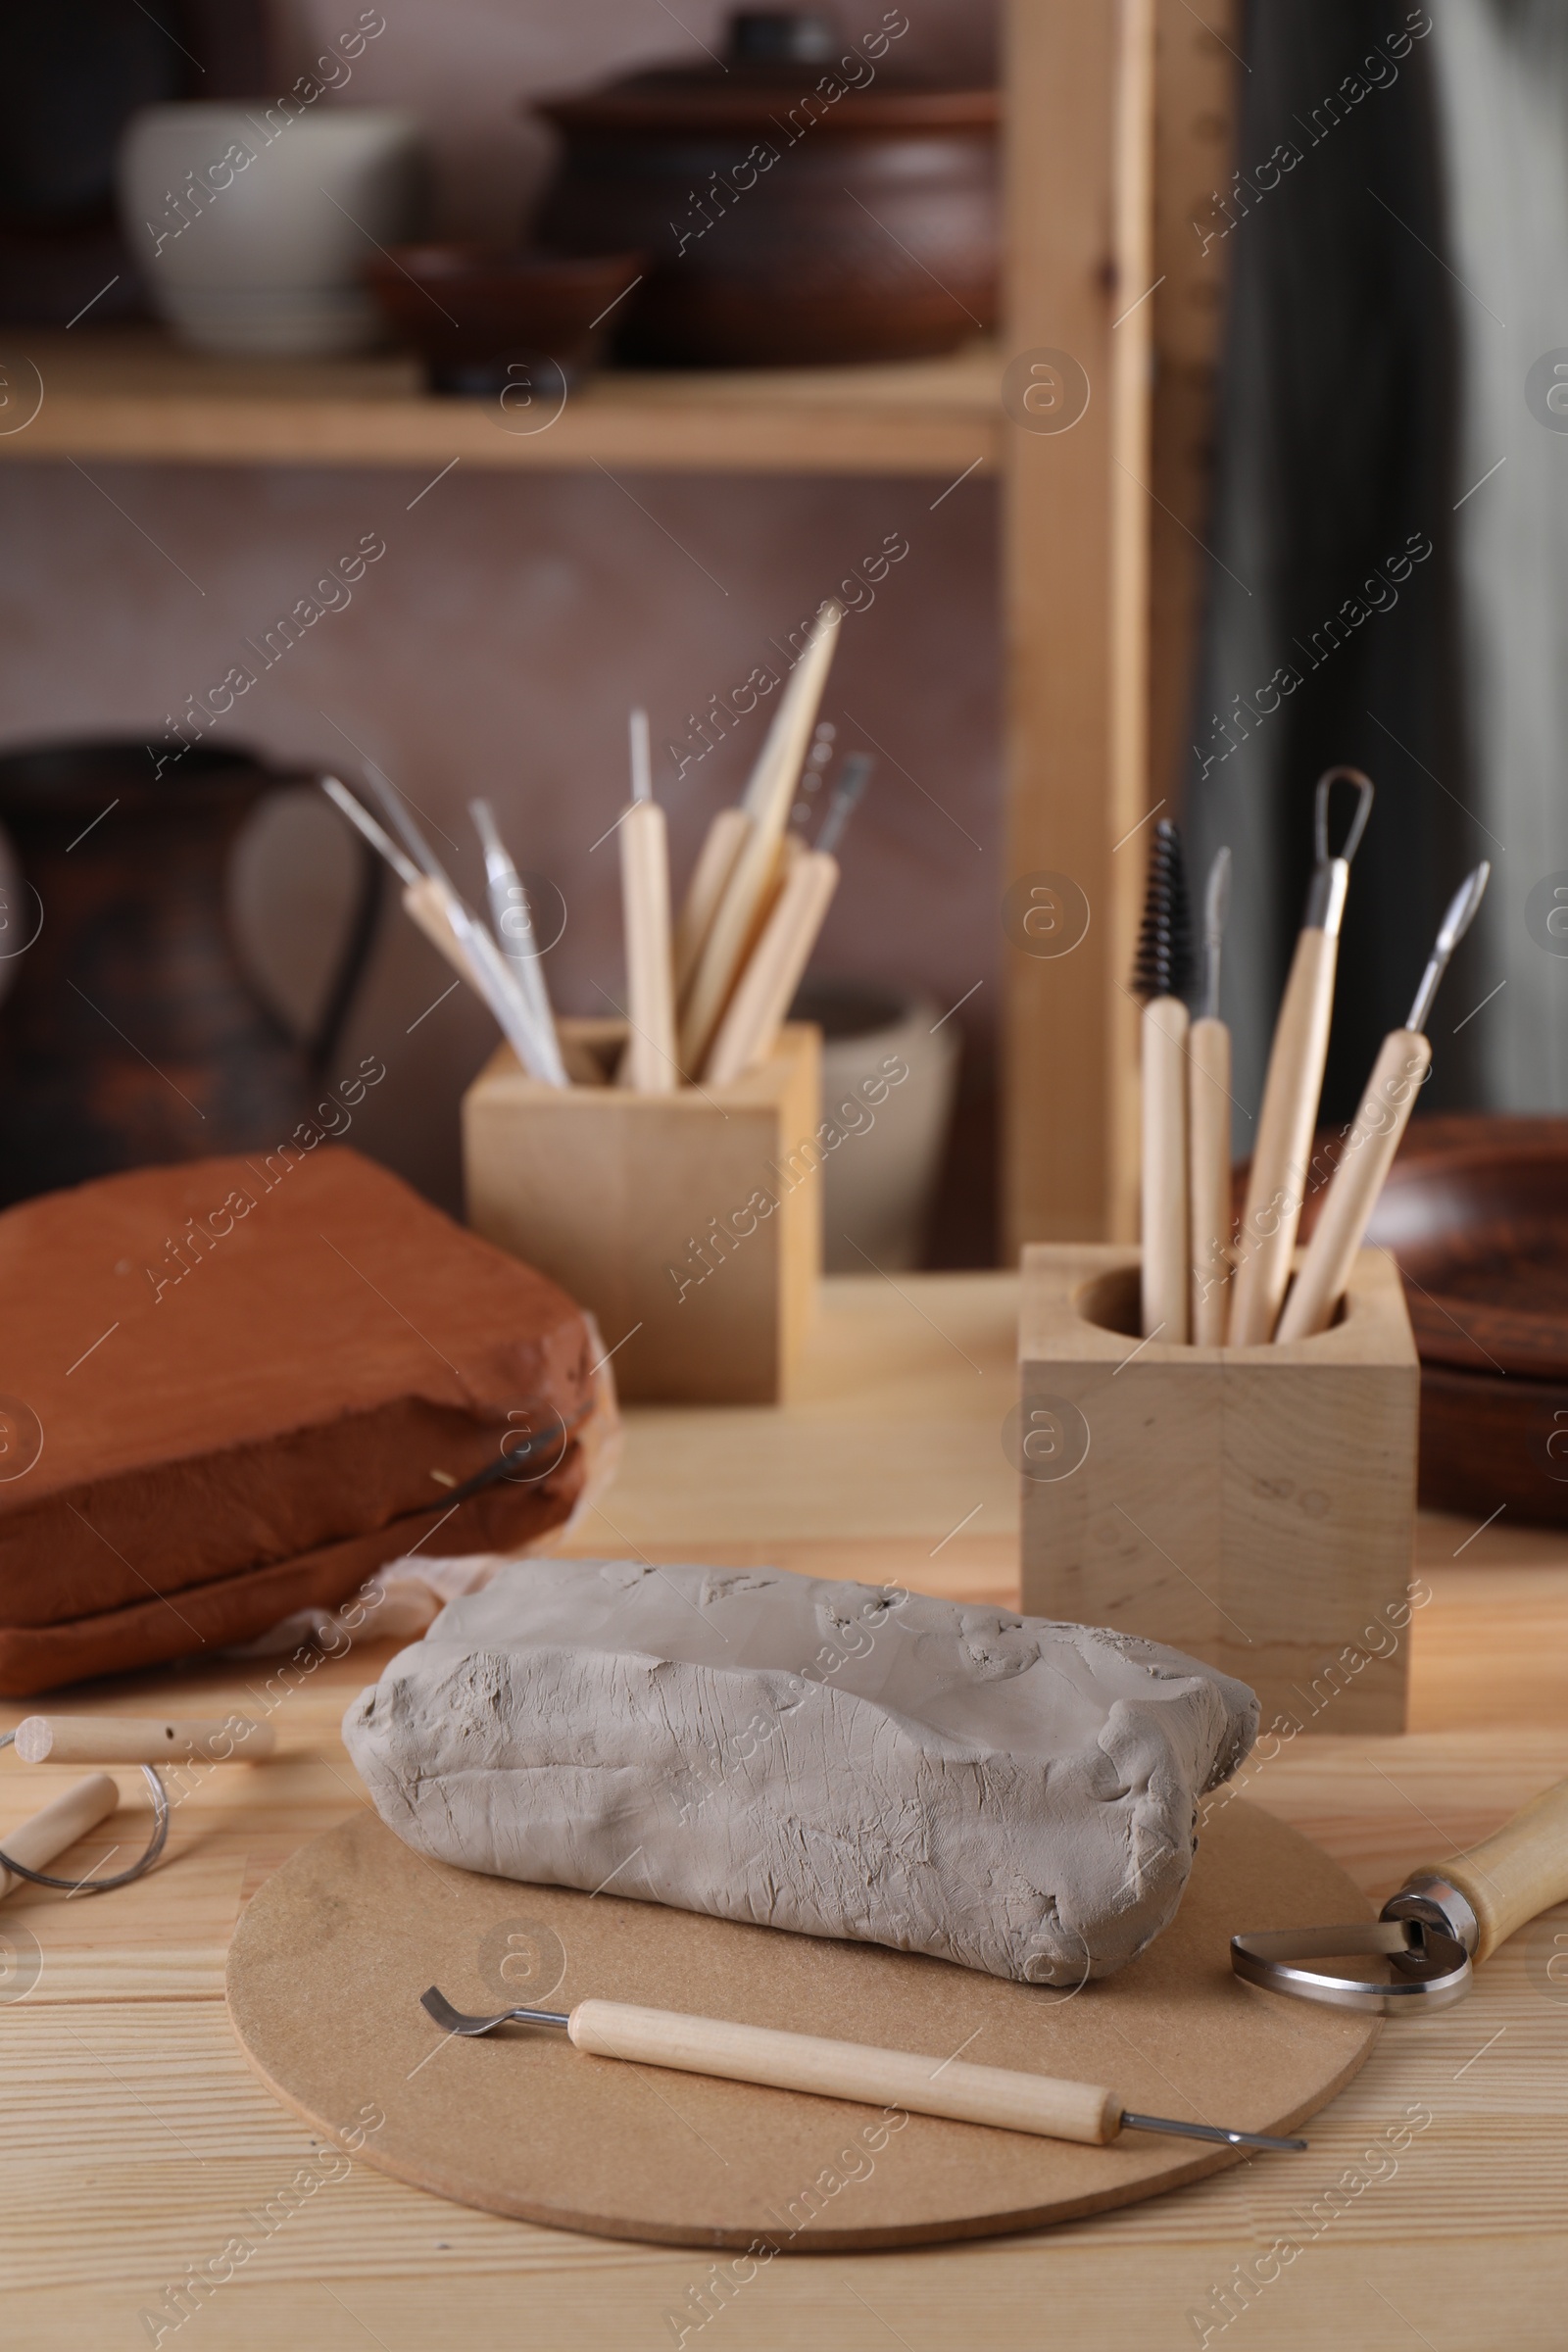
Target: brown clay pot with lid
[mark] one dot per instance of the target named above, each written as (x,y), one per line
(802,202)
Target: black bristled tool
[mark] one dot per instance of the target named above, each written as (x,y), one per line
(1161,976)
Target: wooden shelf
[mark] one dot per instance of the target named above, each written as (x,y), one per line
(133,395)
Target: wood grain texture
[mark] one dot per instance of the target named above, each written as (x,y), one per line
(1252,1506)
(1520,1871)
(133,395)
(329,1963)
(127,2100)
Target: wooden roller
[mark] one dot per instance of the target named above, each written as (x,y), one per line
(142,1739)
(1364,1163)
(1165,1250)
(35,1843)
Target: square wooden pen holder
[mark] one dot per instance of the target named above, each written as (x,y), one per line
(1255,1506)
(690,1224)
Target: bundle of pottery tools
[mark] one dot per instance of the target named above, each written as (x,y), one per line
(707,993)
(1195,1285)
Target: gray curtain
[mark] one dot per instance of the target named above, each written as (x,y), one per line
(1327,637)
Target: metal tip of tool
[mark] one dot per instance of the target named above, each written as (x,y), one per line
(856,774)
(1213,2131)
(642,765)
(1216,907)
(1320,814)
(1457,921)
(440,2010)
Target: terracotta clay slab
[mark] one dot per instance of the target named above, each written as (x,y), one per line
(328,1962)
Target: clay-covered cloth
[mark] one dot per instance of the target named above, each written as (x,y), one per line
(230,1390)
(853,1760)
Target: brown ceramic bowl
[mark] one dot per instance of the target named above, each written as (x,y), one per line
(481,319)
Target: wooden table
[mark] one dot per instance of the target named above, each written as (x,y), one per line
(135,2140)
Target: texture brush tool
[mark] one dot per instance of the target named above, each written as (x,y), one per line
(1295,1083)
(757,1011)
(1397,1076)
(649,1063)
(999,2095)
(1209,1126)
(512,918)
(1161,976)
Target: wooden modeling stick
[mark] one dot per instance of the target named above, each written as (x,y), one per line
(757,1012)
(710,878)
(649,1063)
(422,901)
(35,1843)
(1397,1075)
(1295,1083)
(1208,1128)
(1164,969)
(769,796)
(142,1739)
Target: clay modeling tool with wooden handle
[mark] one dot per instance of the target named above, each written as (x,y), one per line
(1161,977)
(1397,1075)
(757,1012)
(846,2070)
(1444,1922)
(649,1063)
(1295,1081)
(1208,1127)
(769,798)
(512,918)
(490,973)
(710,878)
(422,901)
(37,1840)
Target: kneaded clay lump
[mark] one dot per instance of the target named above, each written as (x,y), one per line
(840,1759)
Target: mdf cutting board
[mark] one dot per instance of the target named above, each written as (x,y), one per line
(329,1960)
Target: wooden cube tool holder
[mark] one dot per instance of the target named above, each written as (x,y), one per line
(690,1224)
(1255,1506)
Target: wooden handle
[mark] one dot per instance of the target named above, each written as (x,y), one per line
(1209,1190)
(1284,1154)
(1520,1871)
(421,901)
(1402,1062)
(768,800)
(749,1031)
(709,880)
(37,1840)
(649,1061)
(142,1739)
(848,2069)
(1165,1280)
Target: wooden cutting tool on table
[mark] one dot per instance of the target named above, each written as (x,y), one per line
(1208,1127)
(112,1739)
(1295,1081)
(1445,1919)
(1397,1076)
(846,2070)
(1161,976)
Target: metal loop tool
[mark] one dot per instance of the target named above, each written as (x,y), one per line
(113,1740)
(90,1886)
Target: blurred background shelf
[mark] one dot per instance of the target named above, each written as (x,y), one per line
(133,395)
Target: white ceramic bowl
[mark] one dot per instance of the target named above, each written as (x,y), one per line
(252,224)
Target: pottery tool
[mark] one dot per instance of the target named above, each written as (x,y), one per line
(1161,974)
(1397,1075)
(711,877)
(769,798)
(846,2070)
(60,1823)
(422,901)
(1295,1081)
(649,1063)
(1208,1127)
(1445,1920)
(491,975)
(512,918)
(757,1012)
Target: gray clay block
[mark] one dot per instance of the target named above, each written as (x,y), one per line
(840,1759)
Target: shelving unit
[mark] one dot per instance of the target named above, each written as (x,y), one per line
(1120,117)
(132,395)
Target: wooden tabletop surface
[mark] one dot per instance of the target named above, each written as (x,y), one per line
(135,2142)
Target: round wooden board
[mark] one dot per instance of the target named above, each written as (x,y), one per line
(329,1960)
